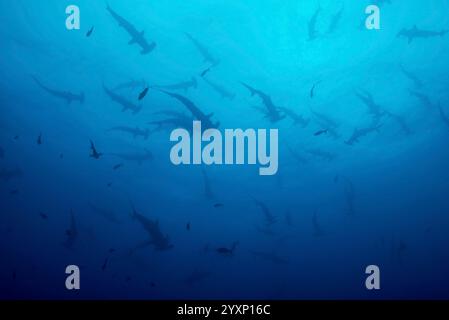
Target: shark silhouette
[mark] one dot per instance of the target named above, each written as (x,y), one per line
(136,36)
(416,33)
(65,95)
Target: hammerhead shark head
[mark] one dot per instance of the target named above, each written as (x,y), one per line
(136,36)
(196,112)
(297,119)
(157,239)
(415,33)
(207,56)
(272,111)
(358,133)
(222,91)
(127,105)
(137,157)
(72,232)
(184,85)
(65,95)
(313,34)
(135,132)
(7,175)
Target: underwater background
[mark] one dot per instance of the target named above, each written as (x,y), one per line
(363,150)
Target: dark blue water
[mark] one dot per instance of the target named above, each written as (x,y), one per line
(334,207)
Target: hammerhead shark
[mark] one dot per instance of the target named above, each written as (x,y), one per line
(415,33)
(7,175)
(178,121)
(412,77)
(424,99)
(222,91)
(127,105)
(136,36)
(400,120)
(157,239)
(137,157)
(207,56)
(72,232)
(336,18)
(135,132)
(358,133)
(373,108)
(313,34)
(65,95)
(297,119)
(94,153)
(272,111)
(196,112)
(184,85)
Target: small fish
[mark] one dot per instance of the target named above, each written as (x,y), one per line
(152,284)
(89,33)
(143,93)
(61,156)
(109,184)
(94,154)
(43,215)
(336,178)
(128,278)
(320,132)
(16,137)
(39,139)
(188,226)
(14,192)
(218,205)
(117,166)
(112,250)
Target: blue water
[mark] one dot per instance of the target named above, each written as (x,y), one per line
(381,201)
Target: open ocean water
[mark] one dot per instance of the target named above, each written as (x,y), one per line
(86,177)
